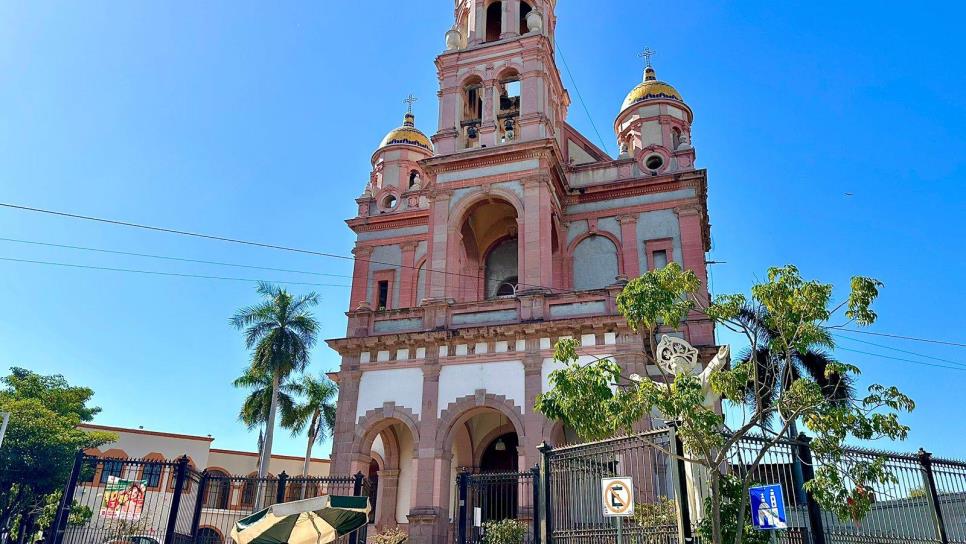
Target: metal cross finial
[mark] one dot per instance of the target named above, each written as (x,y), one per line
(646,54)
(410,100)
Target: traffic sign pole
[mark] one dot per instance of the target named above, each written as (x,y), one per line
(620,530)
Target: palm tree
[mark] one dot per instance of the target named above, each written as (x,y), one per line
(255,408)
(317,414)
(775,376)
(280,330)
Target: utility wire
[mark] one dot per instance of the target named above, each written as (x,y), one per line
(581,98)
(244,242)
(168,258)
(940,359)
(903,360)
(170,274)
(912,338)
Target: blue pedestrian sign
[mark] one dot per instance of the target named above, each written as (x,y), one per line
(768,508)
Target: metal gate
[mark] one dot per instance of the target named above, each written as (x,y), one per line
(493,497)
(573,481)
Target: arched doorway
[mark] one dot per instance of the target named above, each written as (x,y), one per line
(501,455)
(207,535)
(488,251)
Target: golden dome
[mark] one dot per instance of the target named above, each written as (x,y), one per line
(407,134)
(651,89)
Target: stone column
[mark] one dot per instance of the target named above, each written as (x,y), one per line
(693,255)
(388,488)
(479,35)
(537,272)
(436,278)
(345,418)
(407,272)
(533,421)
(488,131)
(360,277)
(428,516)
(511,19)
(629,250)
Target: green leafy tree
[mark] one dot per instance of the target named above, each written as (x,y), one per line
(598,400)
(315,414)
(41,441)
(280,331)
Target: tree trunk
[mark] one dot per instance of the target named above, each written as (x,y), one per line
(269,437)
(716,536)
(313,436)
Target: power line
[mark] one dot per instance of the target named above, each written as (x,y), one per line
(169,258)
(903,360)
(581,98)
(170,274)
(244,242)
(940,359)
(912,338)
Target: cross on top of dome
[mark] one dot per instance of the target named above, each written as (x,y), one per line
(409,101)
(646,54)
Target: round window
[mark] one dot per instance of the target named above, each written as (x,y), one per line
(389,202)
(654,162)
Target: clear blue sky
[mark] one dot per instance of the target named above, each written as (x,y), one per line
(257,122)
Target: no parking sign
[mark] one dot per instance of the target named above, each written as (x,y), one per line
(617,497)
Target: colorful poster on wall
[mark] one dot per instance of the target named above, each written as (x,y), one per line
(123,499)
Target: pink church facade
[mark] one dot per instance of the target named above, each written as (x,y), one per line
(480,247)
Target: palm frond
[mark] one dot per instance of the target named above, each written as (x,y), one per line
(838,388)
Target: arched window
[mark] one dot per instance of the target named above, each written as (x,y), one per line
(217,490)
(595,263)
(472,115)
(501,275)
(207,535)
(675,137)
(248,490)
(494,21)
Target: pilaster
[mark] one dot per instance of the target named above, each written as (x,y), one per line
(629,246)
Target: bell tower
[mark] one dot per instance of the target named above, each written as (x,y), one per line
(498,80)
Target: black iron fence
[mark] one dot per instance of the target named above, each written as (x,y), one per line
(142,501)
(925,501)
(573,486)
(494,497)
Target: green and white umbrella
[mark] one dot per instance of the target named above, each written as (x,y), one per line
(312,521)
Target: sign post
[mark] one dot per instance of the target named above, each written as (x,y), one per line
(768,508)
(3,426)
(617,498)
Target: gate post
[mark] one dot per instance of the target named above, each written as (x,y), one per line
(535,471)
(356,492)
(181,471)
(925,459)
(547,502)
(63,511)
(199,503)
(815,523)
(280,488)
(461,481)
(679,475)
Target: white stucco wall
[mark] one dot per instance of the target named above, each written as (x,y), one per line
(404,386)
(549,365)
(500,378)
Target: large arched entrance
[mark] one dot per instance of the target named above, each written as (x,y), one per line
(385,451)
(488,251)
(484,443)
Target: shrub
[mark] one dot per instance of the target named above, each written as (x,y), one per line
(507,531)
(392,535)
